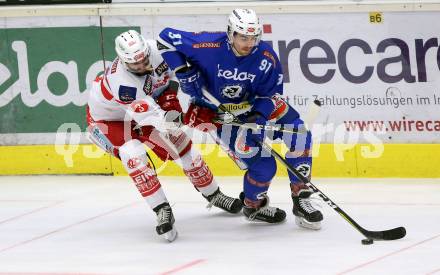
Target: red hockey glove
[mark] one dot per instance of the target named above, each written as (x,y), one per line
(201,118)
(168,101)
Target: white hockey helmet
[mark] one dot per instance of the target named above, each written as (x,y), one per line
(244,21)
(131,47)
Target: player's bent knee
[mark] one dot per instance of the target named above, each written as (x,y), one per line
(263,170)
(132,148)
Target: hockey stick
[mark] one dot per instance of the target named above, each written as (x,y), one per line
(235,122)
(308,121)
(254,126)
(391,234)
(236,159)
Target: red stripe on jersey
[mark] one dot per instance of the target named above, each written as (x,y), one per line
(105,92)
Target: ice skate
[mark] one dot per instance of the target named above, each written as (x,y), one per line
(165,222)
(264,212)
(305,214)
(224,202)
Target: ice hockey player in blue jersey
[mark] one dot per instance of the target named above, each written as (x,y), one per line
(244,74)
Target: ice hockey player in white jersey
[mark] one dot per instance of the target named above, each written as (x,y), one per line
(135,103)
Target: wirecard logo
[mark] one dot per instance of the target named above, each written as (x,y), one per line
(394,59)
(235,75)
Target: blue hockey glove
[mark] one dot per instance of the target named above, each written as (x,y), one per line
(254,135)
(255,117)
(191,82)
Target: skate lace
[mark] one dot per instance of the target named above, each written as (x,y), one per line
(265,210)
(164,215)
(305,203)
(220,200)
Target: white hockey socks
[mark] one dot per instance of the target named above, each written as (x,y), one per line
(134,159)
(198,172)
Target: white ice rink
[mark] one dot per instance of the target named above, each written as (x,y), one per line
(100,225)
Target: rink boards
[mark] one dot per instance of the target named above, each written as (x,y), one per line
(397,160)
(377,79)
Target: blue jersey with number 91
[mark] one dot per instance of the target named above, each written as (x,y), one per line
(241,83)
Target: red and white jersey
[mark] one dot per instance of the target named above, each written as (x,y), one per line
(120,95)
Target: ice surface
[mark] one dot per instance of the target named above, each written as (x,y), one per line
(100,225)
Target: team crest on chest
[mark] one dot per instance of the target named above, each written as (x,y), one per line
(232,91)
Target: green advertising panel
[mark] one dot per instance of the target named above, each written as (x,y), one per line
(45,73)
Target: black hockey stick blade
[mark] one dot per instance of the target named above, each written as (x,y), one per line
(387,235)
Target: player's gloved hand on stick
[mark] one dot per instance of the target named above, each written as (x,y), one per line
(255,117)
(191,82)
(254,135)
(200,117)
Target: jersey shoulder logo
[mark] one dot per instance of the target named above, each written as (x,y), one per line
(127,93)
(206,45)
(207,32)
(270,56)
(114,66)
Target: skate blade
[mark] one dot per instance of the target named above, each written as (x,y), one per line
(306,224)
(170,235)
